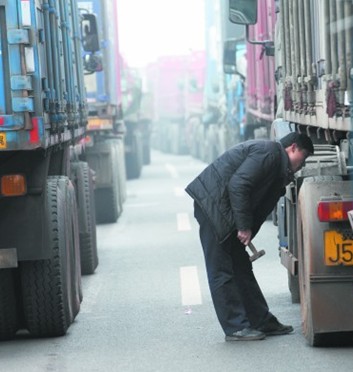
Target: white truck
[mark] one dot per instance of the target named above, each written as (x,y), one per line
(313,54)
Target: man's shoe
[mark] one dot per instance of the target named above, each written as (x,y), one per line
(273,327)
(246,334)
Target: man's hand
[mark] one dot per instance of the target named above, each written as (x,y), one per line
(244,236)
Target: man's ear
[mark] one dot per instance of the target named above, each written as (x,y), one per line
(293,147)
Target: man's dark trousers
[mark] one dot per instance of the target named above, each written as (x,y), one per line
(236,295)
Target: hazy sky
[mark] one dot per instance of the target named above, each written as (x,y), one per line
(149,28)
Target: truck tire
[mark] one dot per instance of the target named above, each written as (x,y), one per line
(120,149)
(146,154)
(133,170)
(106,205)
(120,174)
(86,217)
(74,250)
(48,286)
(108,200)
(134,158)
(8,305)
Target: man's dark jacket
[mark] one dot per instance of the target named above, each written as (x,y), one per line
(241,187)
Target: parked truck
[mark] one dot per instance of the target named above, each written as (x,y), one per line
(313,56)
(108,141)
(194,103)
(219,127)
(174,88)
(259,84)
(235,69)
(136,138)
(47,217)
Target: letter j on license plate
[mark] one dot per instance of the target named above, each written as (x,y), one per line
(338,251)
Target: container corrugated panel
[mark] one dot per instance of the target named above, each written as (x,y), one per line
(316,62)
(40,96)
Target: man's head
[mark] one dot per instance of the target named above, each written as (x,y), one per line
(298,147)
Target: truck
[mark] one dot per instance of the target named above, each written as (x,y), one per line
(105,151)
(313,78)
(221,123)
(175,83)
(259,85)
(47,218)
(136,137)
(194,98)
(235,70)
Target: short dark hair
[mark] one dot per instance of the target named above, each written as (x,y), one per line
(302,140)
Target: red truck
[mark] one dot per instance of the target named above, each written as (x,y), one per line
(176,83)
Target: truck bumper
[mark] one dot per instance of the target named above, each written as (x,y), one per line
(332,303)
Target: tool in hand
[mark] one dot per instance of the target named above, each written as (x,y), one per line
(256,254)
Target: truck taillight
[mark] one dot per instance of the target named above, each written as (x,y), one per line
(13,185)
(2,120)
(88,141)
(334,210)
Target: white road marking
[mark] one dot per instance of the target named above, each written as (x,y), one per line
(172,170)
(190,286)
(183,222)
(179,191)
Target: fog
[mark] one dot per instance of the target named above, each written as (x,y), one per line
(149,29)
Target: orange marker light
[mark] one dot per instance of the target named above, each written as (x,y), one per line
(13,185)
(334,210)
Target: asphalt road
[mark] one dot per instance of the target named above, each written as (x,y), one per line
(147,308)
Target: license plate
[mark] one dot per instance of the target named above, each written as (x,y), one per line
(337,250)
(98,123)
(3,143)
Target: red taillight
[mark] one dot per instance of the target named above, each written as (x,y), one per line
(34,132)
(87,140)
(334,210)
(2,120)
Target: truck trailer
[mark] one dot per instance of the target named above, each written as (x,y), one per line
(105,150)
(47,217)
(313,64)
